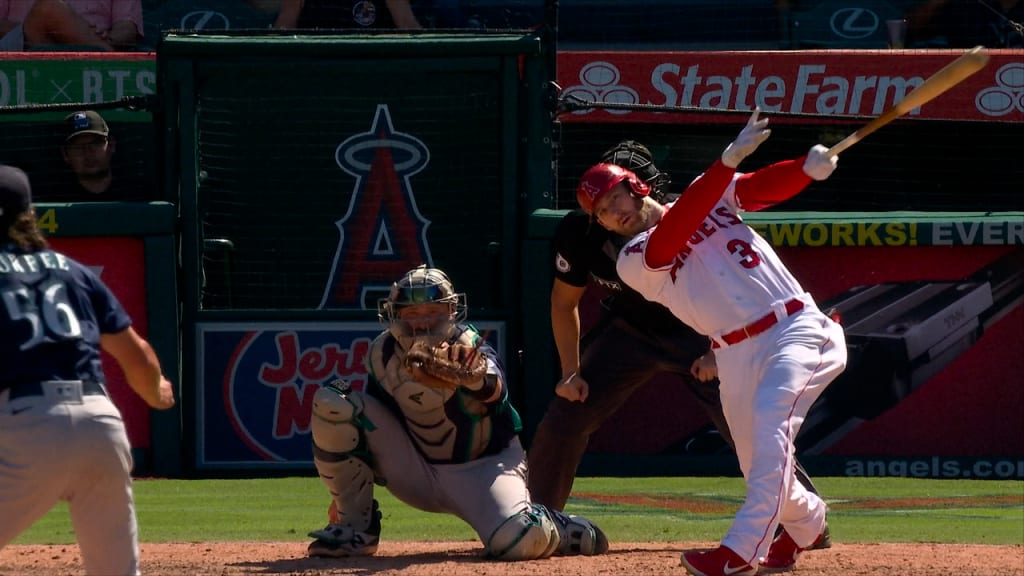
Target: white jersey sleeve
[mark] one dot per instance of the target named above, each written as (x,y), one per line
(724,277)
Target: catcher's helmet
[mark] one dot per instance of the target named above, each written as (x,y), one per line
(601,178)
(421,285)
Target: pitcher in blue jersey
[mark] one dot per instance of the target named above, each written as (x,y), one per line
(61,437)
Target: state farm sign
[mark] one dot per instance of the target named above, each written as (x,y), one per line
(827,83)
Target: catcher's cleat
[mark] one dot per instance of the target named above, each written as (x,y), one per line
(784,552)
(579,536)
(721,561)
(337,541)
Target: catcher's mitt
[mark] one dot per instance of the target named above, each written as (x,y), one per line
(446,365)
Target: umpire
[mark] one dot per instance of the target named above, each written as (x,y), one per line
(61,438)
(633,341)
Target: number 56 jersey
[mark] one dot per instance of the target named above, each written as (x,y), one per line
(724,277)
(52,312)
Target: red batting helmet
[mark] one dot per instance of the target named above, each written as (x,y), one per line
(601,178)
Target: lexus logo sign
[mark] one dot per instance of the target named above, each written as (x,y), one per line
(854,23)
(204,20)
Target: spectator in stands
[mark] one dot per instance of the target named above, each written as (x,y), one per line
(966,23)
(106,25)
(88,150)
(374,14)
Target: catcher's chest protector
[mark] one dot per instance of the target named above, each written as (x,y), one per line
(423,408)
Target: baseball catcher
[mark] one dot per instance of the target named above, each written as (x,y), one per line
(436,427)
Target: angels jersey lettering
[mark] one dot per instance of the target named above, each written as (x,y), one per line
(725,277)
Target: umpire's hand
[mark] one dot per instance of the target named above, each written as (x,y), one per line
(705,369)
(573,388)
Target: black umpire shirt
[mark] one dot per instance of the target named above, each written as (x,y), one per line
(585,251)
(122,188)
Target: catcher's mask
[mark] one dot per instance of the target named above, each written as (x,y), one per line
(422,285)
(638,158)
(601,178)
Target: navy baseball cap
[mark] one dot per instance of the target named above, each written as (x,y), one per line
(85,122)
(15,194)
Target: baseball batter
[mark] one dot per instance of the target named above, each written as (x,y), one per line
(632,341)
(435,427)
(776,351)
(61,438)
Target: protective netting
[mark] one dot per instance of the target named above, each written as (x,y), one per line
(912,164)
(317,195)
(34,140)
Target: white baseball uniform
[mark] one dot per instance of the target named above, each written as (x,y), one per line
(776,353)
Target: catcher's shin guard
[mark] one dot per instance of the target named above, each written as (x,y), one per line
(528,535)
(340,456)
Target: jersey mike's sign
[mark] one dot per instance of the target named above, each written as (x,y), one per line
(257,381)
(824,83)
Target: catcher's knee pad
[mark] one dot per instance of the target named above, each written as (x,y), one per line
(529,535)
(336,424)
(340,456)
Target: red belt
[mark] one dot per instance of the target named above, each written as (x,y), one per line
(757,326)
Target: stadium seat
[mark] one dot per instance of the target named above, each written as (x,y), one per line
(841,24)
(201,15)
(618,25)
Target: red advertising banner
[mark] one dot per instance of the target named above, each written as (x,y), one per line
(934,334)
(968,398)
(813,82)
(829,83)
(120,263)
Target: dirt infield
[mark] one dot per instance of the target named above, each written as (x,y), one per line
(464,558)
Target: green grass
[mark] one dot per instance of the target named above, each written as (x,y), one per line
(862,510)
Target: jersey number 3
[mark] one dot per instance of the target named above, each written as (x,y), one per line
(748,257)
(47,311)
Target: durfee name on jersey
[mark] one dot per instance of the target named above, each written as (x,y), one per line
(29,263)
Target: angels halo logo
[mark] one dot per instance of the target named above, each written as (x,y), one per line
(382,235)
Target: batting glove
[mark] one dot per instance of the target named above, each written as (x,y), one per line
(818,164)
(753,134)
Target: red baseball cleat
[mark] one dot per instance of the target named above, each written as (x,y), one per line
(718,562)
(784,552)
